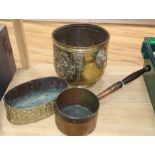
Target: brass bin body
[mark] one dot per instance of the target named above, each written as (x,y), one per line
(80,53)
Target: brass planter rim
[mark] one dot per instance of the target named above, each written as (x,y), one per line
(81,47)
(30,108)
(35,107)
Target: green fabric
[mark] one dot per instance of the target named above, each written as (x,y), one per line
(148,47)
(151,40)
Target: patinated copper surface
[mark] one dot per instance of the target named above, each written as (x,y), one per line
(110,89)
(75,124)
(74,128)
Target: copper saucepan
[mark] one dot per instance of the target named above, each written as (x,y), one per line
(77,108)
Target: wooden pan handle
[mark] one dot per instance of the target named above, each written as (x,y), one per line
(121,83)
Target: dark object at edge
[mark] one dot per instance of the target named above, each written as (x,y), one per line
(148,52)
(7,63)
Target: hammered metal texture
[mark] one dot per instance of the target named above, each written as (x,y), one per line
(80,68)
(80,53)
(21,116)
(33,100)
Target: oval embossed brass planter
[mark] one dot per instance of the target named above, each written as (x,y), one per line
(33,100)
(80,53)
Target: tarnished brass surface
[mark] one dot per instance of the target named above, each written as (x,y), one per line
(80,53)
(33,100)
(25,116)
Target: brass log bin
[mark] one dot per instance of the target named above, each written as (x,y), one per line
(80,53)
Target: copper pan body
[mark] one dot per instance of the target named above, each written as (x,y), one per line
(66,120)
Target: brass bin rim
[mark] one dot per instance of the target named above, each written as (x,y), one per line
(80,48)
